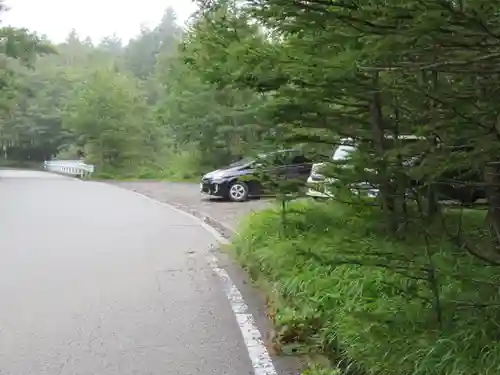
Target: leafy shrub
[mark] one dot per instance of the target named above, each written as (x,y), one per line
(353,293)
(171,166)
(183,165)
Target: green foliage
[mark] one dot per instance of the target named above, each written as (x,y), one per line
(141,55)
(374,284)
(109,116)
(46,104)
(361,297)
(18,49)
(175,107)
(21,45)
(184,165)
(222,121)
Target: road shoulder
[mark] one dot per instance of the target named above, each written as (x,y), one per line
(224,231)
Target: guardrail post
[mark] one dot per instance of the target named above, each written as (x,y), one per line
(69,167)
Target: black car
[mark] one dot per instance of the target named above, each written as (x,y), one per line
(464,184)
(247,177)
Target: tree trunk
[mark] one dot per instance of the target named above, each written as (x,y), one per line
(492,181)
(378,134)
(432,197)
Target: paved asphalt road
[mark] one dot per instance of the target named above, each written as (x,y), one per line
(95,280)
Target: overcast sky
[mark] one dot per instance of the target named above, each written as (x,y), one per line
(94,18)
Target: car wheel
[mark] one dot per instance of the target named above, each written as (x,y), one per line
(238,191)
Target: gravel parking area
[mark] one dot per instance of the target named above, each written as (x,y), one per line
(188,196)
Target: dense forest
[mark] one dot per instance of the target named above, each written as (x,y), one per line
(414,290)
(144,109)
(97,101)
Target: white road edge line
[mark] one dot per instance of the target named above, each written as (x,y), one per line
(257,351)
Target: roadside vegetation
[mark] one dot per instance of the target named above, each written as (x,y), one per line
(339,286)
(398,284)
(135,109)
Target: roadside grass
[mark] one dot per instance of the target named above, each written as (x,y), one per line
(144,176)
(173,167)
(339,287)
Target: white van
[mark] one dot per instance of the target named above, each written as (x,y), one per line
(320,187)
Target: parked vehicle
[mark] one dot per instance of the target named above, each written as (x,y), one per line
(320,186)
(454,184)
(245,178)
(465,185)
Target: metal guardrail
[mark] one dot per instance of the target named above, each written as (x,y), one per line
(69,167)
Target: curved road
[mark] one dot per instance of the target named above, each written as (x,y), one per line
(95,280)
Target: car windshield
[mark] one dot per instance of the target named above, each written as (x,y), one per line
(241,162)
(261,159)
